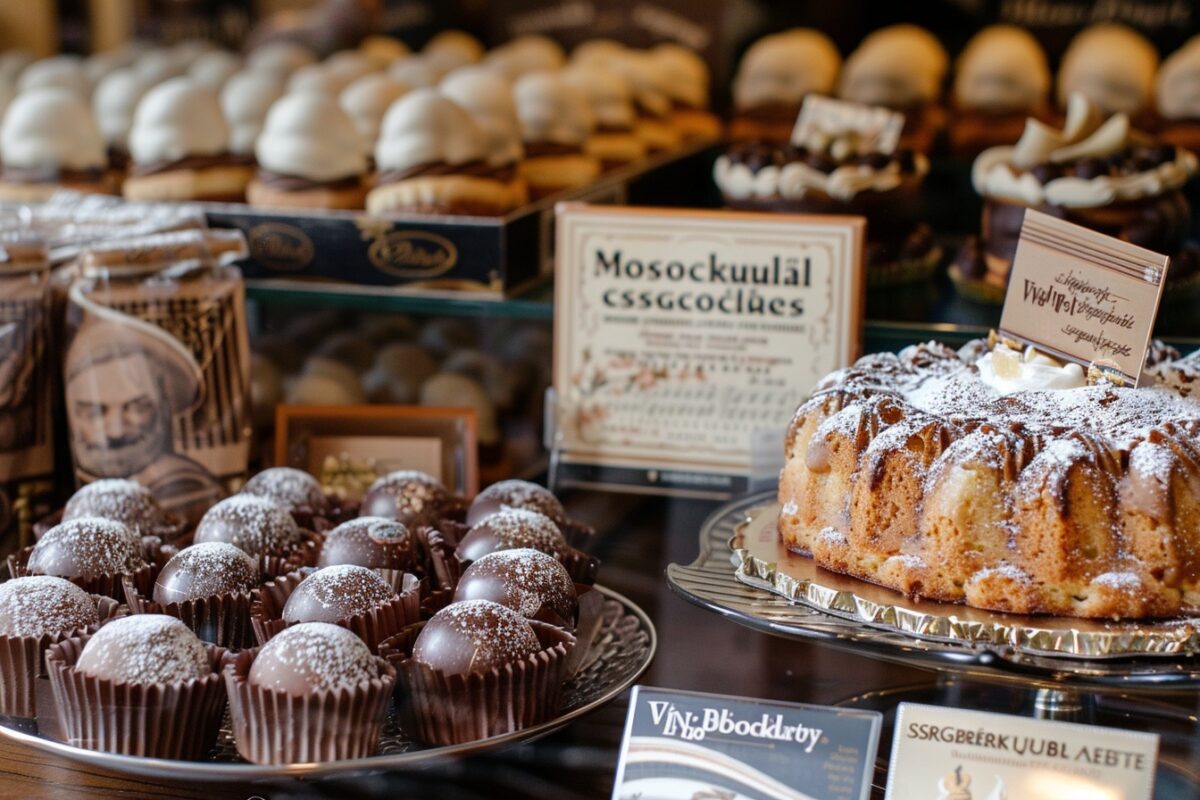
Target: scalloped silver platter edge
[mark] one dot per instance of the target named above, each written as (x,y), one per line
(232,771)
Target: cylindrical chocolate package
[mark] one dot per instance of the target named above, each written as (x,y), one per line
(156,373)
(26,388)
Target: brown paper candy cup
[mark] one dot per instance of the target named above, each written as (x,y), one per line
(452,531)
(434,600)
(435,557)
(581,566)
(577,534)
(223,619)
(591,619)
(382,622)
(446,709)
(276,564)
(271,727)
(23,661)
(107,585)
(162,720)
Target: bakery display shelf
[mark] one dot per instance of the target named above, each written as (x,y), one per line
(620,652)
(711,582)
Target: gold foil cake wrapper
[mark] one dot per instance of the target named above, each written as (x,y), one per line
(162,720)
(272,727)
(761,560)
(222,619)
(107,585)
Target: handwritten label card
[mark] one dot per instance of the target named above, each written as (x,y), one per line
(955,753)
(679,333)
(1083,296)
(877,129)
(690,745)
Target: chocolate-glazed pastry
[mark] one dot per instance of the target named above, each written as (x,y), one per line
(512,528)
(203,570)
(474,636)
(313,657)
(120,500)
(254,524)
(145,649)
(409,496)
(87,547)
(527,581)
(290,488)
(337,593)
(42,605)
(515,494)
(368,542)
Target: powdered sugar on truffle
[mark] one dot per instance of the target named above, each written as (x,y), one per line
(521,527)
(335,593)
(145,649)
(41,605)
(482,631)
(531,579)
(87,547)
(212,567)
(254,524)
(291,488)
(120,500)
(324,657)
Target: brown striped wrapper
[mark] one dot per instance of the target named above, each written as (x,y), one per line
(159,720)
(277,564)
(588,624)
(23,660)
(272,727)
(266,608)
(435,557)
(446,709)
(223,619)
(107,585)
(174,529)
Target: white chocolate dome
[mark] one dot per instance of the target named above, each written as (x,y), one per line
(488,97)
(552,110)
(114,103)
(177,119)
(309,136)
(245,100)
(51,128)
(897,66)
(608,93)
(64,72)
(452,48)
(1002,68)
(426,127)
(532,53)
(1113,66)
(1178,86)
(281,58)
(214,68)
(785,67)
(687,77)
(383,50)
(416,71)
(367,99)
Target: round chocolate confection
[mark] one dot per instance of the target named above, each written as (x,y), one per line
(87,547)
(509,529)
(204,570)
(366,541)
(120,500)
(337,593)
(145,648)
(474,636)
(410,496)
(254,524)
(42,605)
(290,488)
(312,657)
(528,581)
(515,494)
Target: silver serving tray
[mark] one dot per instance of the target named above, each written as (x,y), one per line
(620,652)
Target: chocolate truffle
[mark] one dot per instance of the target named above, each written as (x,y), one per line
(87,547)
(205,570)
(410,496)
(515,494)
(336,593)
(289,488)
(528,581)
(119,500)
(312,657)
(474,636)
(254,524)
(42,605)
(367,542)
(510,529)
(145,648)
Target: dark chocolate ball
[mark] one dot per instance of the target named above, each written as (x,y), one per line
(312,657)
(509,529)
(292,489)
(515,494)
(119,500)
(474,636)
(410,496)
(87,547)
(337,593)
(254,524)
(145,648)
(42,605)
(367,542)
(528,581)
(203,570)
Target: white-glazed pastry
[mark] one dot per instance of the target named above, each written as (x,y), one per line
(651,84)
(49,140)
(99,65)
(1113,66)
(214,68)
(488,97)
(416,71)
(179,146)
(452,49)
(157,65)
(189,51)
(280,58)
(525,54)
(614,139)
(556,123)
(1177,92)
(366,100)
(310,155)
(1001,77)
(113,105)
(432,159)
(245,100)
(687,83)
(383,50)
(774,77)
(64,72)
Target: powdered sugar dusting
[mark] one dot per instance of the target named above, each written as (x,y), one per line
(145,648)
(42,605)
(288,487)
(521,494)
(345,589)
(1119,581)
(325,657)
(532,580)
(120,500)
(503,634)
(87,547)
(521,527)
(213,567)
(254,524)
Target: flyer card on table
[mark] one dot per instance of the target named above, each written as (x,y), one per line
(679,334)
(691,746)
(959,754)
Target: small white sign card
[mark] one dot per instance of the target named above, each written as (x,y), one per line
(679,333)
(876,128)
(955,753)
(1082,296)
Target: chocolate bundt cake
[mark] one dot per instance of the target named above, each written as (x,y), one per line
(1000,479)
